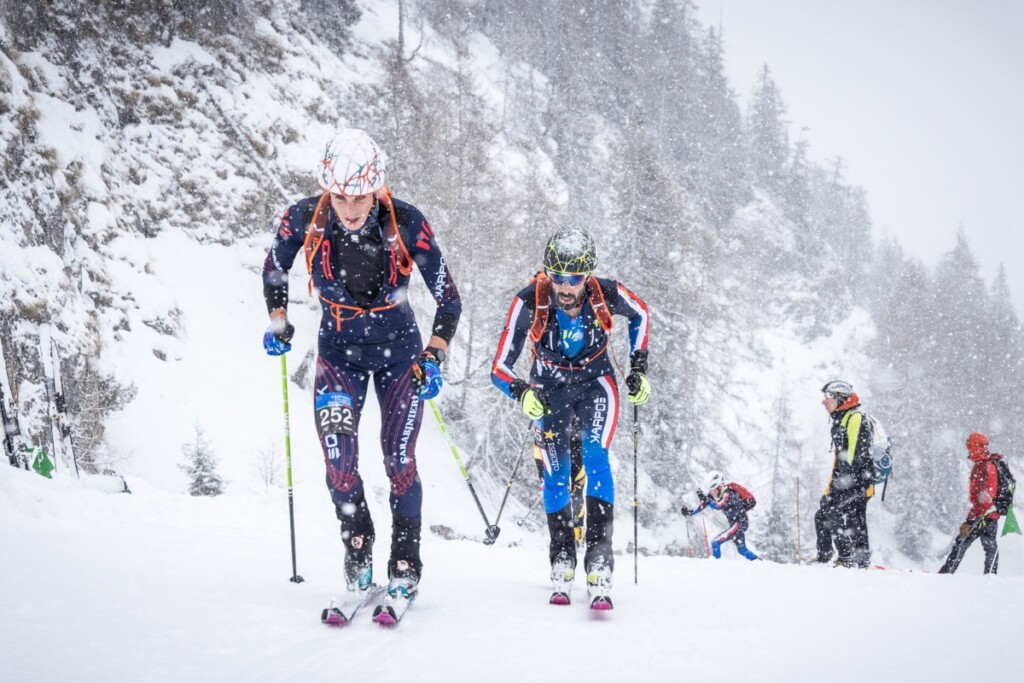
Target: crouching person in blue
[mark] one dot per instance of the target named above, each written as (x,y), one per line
(565,314)
(360,247)
(734,501)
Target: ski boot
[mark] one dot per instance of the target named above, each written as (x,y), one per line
(359,563)
(599,584)
(357,534)
(404,581)
(402,588)
(562,574)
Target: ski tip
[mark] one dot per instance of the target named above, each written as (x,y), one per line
(559,598)
(601,603)
(385,616)
(333,617)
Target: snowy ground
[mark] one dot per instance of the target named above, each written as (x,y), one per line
(163,587)
(159,586)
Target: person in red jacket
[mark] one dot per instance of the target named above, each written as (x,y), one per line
(983,518)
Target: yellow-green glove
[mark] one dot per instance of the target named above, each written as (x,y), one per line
(534,403)
(639,388)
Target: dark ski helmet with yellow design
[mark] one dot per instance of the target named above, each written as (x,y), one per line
(571,251)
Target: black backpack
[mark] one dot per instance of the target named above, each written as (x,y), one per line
(1007,484)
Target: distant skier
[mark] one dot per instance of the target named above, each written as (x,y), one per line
(842,513)
(360,247)
(734,501)
(983,517)
(566,315)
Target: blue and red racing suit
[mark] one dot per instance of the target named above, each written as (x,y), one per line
(372,332)
(572,366)
(734,504)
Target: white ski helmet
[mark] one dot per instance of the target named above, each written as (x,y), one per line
(837,389)
(715,479)
(352,164)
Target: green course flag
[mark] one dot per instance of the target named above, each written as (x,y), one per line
(1010,526)
(44,466)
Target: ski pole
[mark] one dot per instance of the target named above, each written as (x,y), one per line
(533,506)
(636,440)
(492,530)
(689,545)
(508,489)
(288,460)
(799,550)
(707,544)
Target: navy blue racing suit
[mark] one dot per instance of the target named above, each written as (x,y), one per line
(367,328)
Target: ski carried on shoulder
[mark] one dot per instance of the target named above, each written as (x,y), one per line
(342,612)
(390,612)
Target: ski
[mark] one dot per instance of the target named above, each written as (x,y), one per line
(63,423)
(341,613)
(14,445)
(391,611)
(559,598)
(601,603)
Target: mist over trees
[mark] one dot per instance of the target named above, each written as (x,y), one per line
(615,116)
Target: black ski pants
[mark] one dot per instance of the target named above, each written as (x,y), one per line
(843,522)
(986,530)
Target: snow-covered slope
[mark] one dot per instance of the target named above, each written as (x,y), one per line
(160,587)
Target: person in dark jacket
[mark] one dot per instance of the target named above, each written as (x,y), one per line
(841,518)
(565,314)
(983,518)
(734,501)
(360,246)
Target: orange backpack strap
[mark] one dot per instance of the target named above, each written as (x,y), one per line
(393,235)
(541,306)
(317,228)
(598,303)
(315,234)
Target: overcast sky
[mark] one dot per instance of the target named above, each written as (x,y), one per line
(923,99)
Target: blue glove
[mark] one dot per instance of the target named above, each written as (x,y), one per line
(277,339)
(426,374)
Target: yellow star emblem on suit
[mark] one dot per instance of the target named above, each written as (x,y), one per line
(549,435)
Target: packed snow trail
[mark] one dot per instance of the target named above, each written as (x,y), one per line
(164,587)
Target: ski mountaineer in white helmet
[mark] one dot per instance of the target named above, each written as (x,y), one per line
(360,247)
(735,502)
(565,314)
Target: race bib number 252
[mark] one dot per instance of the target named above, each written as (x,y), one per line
(335,414)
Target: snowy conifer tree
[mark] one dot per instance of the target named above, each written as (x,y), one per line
(201,467)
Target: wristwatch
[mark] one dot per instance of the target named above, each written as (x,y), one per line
(437,353)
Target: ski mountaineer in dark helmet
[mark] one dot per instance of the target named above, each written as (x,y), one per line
(360,246)
(565,314)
